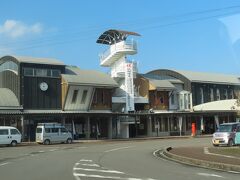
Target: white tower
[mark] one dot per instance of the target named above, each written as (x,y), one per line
(122,70)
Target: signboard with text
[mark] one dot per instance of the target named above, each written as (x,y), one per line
(129,87)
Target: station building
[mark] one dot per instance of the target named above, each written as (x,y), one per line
(122,104)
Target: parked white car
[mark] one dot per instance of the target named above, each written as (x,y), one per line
(47,133)
(10,136)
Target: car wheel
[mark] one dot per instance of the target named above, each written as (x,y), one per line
(13,143)
(47,142)
(230,143)
(69,141)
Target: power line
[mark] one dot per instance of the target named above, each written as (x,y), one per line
(56,39)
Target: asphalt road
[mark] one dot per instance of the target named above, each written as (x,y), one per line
(121,160)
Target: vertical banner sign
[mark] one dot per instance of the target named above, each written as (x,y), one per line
(129,87)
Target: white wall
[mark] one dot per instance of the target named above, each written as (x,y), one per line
(179,87)
(78,106)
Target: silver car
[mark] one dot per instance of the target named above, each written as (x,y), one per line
(225,135)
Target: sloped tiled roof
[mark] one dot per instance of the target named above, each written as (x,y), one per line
(88,77)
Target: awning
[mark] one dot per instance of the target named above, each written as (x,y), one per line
(113,36)
(222,105)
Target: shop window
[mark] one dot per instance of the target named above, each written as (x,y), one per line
(201,96)
(161,100)
(28,72)
(218,95)
(231,95)
(173,98)
(74,97)
(55,73)
(226,94)
(84,96)
(41,72)
(211,94)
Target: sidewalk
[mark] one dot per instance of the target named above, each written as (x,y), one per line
(120,139)
(204,157)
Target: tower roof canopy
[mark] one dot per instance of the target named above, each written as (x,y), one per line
(113,36)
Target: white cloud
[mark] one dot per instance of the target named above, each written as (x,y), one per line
(15,29)
(232,24)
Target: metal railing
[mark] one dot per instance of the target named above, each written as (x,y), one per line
(125,46)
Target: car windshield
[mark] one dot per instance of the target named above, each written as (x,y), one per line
(225,128)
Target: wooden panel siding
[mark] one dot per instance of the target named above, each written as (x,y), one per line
(35,98)
(102,99)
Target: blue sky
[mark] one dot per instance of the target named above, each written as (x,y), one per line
(177,34)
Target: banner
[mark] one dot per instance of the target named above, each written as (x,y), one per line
(129,87)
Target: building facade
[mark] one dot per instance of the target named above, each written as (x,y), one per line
(124,104)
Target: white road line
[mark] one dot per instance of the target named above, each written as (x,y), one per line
(118,149)
(206,151)
(90,165)
(3,164)
(235,172)
(51,150)
(154,154)
(103,177)
(81,147)
(41,151)
(99,170)
(210,175)
(85,160)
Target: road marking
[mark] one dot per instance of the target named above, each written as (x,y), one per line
(154,154)
(81,147)
(103,177)
(41,151)
(85,160)
(206,151)
(3,164)
(99,170)
(235,172)
(116,149)
(51,150)
(210,175)
(90,165)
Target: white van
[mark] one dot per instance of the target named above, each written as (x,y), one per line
(10,136)
(47,133)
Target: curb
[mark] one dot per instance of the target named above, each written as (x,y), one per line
(116,140)
(198,162)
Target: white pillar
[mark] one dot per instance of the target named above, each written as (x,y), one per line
(216,121)
(22,126)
